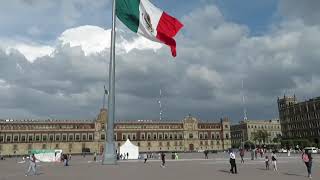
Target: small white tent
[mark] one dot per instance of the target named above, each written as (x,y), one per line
(130,148)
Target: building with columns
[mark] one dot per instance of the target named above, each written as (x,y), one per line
(18,137)
(300,120)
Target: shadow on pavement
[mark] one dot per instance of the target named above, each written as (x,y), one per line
(224,171)
(262,169)
(292,174)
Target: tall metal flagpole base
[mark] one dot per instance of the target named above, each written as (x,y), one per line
(109,156)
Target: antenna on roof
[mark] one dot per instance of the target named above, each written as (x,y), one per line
(160,113)
(244,104)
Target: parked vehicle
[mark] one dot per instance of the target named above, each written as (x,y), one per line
(312,150)
(283,150)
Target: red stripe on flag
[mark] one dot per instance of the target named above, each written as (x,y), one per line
(167,28)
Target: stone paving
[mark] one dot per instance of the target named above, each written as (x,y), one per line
(190,167)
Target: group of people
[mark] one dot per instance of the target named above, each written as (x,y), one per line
(306,158)
(162,156)
(65,158)
(122,156)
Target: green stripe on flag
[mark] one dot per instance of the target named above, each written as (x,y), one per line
(128,12)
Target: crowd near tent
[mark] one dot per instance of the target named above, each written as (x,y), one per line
(45,155)
(130,148)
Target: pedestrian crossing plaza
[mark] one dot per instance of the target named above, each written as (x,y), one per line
(189,167)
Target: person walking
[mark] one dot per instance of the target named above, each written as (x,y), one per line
(66,160)
(242,155)
(261,152)
(95,157)
(307,159)
(266,160)
(274,161)
(163,159)
(256,153)
(127,155)
(32,166)
(233,163)
(252,154)
(206,154)
(145,156)
(176,155)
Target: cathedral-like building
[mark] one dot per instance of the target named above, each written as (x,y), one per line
(18,137)
(300,120)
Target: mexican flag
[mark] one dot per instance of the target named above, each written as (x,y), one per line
(144,18)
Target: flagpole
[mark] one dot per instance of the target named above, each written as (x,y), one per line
(160,106)
(109,157)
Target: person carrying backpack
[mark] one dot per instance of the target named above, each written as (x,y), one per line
(307,159)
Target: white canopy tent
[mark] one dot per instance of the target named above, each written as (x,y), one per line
(130,148)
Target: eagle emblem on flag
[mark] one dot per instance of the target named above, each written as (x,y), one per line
(147,20)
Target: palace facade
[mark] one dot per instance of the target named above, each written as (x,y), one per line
(75,137)
(245,130)
(300,120)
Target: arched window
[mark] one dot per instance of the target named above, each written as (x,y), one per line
(190,135)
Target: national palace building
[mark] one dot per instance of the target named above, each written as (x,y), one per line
(300,120)
(18,137)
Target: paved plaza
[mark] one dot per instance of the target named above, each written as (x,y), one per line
(189,167)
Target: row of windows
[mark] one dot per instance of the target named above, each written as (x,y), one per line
(297,110)
(44,127)
(309,116)
(305,125)
(305,133)
(46,138)
(176,143)
(165,136)
(210,126)
(213,136)
(264,126)
(149,127)
(152,136)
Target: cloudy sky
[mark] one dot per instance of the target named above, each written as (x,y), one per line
(54,59)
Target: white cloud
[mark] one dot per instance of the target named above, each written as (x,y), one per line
(31,52)
(93,39)
(214,55)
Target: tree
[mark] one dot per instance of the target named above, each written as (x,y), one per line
(261,136)
(249,145)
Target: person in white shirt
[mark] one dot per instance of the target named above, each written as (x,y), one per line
(274,161)
(233,163)
(145,156)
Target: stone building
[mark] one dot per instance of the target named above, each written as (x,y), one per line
(244,131)
(300,120)
(75,137)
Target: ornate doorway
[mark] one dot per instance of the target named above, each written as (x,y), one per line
(191,147)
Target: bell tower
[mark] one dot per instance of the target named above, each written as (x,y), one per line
(101,119)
